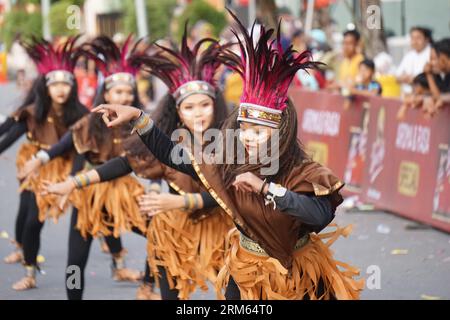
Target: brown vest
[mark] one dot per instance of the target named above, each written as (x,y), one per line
(97,152)
(44,134)
(276,232)
(146,165)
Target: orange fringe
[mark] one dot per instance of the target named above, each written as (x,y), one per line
(109,205)
(190,252)
(55,171)
(263,277)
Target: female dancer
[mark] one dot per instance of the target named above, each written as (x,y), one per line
(8,126)
(276,251)
(185,244)
(106,209)
(54,106)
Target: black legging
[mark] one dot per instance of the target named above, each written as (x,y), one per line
(166,292)
(79,248)
(24,200)
(31,233)
(232,291)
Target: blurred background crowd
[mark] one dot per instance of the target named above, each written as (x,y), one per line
(391,48)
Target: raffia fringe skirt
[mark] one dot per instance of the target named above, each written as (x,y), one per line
(55,171)
(190,252)
(263,277)
(109,207)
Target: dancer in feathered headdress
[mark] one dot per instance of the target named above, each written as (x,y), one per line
(186,244)
(108,209)
(51,106)
(186,240)
(279,207)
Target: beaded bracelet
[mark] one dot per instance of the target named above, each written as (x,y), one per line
(187,201)
(142,124)
(81,180)
(195,207)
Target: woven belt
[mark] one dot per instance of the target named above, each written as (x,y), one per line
(253,247)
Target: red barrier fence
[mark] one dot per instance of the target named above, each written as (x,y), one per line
(402,166)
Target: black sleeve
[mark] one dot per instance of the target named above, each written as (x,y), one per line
(208,200)
(114,168)
(64,145)
(78,164)
(168,152)
(15,132)
(311,210)
(6,125)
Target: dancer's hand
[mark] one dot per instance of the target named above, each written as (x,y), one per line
(248,182)
(62,188)
(115,115)
(155,203)
(31,166)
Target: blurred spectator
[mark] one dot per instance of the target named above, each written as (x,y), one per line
(299,42)
(421,89)
(385,75)
(416,59)
(20,64)
(348,68)
(366,84)
(442,50)
(233,87)
(438,76)
(86,77)
(420,85)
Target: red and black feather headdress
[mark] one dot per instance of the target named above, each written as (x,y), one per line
(56,62)
(118,65)
(186,71)
(267,71)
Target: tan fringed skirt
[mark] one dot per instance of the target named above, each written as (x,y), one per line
(191,253)
(263,277)
(55,171)
(109,207)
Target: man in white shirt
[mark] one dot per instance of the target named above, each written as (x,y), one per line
(415,60)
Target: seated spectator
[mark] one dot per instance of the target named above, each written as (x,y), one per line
(415,60)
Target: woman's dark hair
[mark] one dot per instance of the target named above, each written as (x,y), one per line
(73,109)
(426,32)
(30,97)
(291,152)
(167,119)
(97,126)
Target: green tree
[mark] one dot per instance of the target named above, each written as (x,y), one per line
(58,18)
(159,14)
(201,10)
(20,22)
